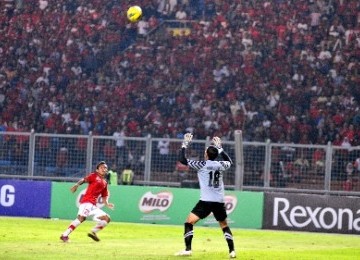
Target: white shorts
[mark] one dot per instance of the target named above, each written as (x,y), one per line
(88,209)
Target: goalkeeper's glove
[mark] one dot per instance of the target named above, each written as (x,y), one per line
(187,140)
(217,143)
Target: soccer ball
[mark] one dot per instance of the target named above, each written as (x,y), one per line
(134,13)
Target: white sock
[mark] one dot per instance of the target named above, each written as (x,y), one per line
(72,227)
(99,226)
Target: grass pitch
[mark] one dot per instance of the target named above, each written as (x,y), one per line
(31,238)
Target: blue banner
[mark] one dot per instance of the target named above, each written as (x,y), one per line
(25,198)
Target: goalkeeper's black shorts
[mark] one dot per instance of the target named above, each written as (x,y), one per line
(203,209)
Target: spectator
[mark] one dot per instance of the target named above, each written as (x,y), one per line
(256,45)
(163,147)
(318,161)
(142,27)
(119,135)
(62,159)
(112,175)
(109,151)
(127,175)
(181,13)
(166,8)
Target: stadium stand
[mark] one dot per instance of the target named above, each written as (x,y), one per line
(287,71)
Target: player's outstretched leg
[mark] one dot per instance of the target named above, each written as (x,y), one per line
(94,236)
(229,239)
(100,225)
(184,253)
(188,236)
(232,254)
(73,225)
(64,238)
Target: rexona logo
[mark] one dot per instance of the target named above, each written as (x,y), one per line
(99,202)
(320,217)
(160,201)
(230,203)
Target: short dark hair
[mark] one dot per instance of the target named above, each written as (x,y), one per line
(212,152)
(99,164)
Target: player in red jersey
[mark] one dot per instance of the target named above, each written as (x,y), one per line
(97,187)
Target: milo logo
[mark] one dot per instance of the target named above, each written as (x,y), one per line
(160,201)
(230,203)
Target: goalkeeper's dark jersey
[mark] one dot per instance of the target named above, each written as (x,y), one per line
(210,175)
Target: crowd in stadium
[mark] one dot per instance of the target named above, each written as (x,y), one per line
(287,71)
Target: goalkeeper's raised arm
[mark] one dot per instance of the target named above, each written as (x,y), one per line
(185,143)
(217,143)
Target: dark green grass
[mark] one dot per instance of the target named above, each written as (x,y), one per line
(30,238)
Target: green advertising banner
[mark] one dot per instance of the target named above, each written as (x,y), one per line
(244,209)
(63,201)
(160,205)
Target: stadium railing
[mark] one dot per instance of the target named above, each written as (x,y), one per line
(258,166)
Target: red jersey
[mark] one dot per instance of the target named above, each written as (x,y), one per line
(97,186)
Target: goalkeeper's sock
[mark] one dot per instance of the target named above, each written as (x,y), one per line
(188,235)
(229,238)
(72,227)
(99,226)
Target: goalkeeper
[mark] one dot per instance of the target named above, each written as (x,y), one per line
(210,175)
